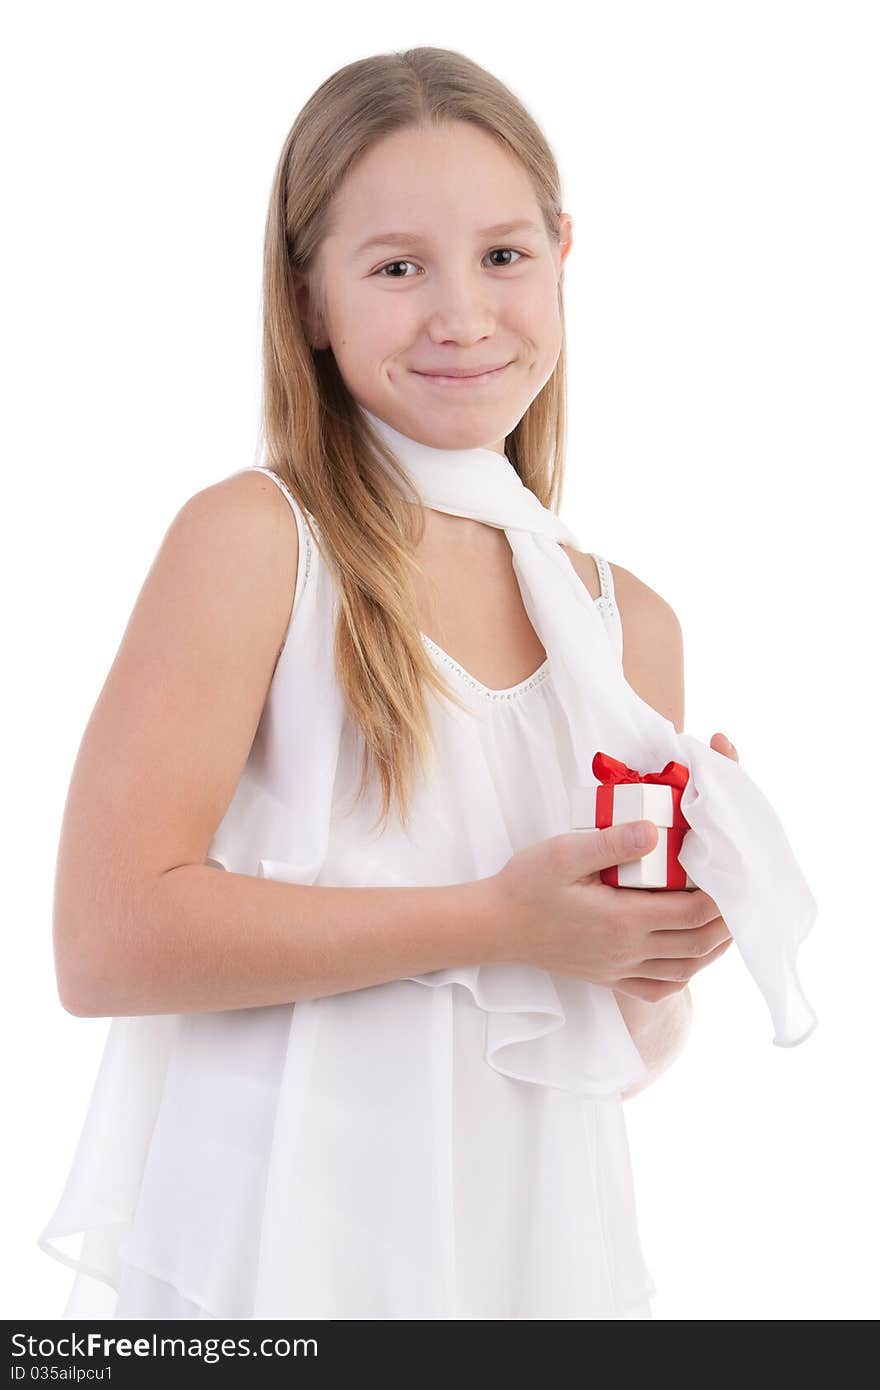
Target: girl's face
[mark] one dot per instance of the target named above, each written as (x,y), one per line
(422,274)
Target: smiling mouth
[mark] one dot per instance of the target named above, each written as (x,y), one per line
(477,379)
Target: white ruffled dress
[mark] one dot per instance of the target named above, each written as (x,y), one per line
(432,1147)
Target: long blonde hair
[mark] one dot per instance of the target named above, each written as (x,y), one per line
(315,438)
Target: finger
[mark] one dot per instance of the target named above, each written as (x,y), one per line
(680,968)
(724,746)
(665,909)
(683,968)
(691,941)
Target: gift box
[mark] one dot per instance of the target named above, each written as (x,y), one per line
(627,795)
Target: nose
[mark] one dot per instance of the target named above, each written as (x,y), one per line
(462,309)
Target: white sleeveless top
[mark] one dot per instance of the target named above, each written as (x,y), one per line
(417,1149)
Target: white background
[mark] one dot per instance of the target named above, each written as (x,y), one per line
(720,164)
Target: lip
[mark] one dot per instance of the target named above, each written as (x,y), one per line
(464,378)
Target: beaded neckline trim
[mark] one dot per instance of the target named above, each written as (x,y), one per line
(510,693)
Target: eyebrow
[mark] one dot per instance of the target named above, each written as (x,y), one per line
(413,239)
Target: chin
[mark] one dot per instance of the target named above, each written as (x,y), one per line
(461,428)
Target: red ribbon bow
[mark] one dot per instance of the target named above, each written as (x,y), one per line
(610,770)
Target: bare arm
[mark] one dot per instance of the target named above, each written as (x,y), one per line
(205,939)
(141,924)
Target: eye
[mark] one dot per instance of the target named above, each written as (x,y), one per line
(389,265)
(507,251)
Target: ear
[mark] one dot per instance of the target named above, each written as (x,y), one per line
(566,225)
(303,300)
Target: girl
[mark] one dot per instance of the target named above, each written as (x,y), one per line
(374,1068)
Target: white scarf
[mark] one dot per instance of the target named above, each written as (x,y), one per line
(736,849)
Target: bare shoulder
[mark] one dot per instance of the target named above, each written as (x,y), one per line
(642,603)
(653,654)
(247,506)
(245,522)
(653,646)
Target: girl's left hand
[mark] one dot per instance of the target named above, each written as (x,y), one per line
(722,744)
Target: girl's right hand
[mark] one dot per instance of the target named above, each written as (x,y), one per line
(559,915)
